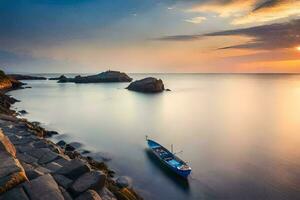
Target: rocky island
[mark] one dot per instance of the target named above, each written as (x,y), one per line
(32,167)
(57,78)
(26,77)
(104,77)
(147,85)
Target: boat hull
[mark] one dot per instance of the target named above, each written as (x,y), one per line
(182,173)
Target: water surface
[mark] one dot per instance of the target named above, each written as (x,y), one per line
(239,133)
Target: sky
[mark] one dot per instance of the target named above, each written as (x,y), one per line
(155,36)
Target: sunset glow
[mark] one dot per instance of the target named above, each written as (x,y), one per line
(148,36)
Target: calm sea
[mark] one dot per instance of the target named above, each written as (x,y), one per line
(239,133)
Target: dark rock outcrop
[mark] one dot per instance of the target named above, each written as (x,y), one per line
(123,181)
(104,77)
(108,76)
(6,84)
(26,77)
(57,78)
(62,144)
(147,85)
(64,79)
(23,112)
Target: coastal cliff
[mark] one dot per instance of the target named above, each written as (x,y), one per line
(32,167)
(7,82)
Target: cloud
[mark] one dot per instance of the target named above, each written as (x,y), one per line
(224,8)
(196,20)
(179,37)
(270,11)
(267,37)
(249,11)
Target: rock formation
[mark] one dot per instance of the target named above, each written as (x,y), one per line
(147,85)
(26,77)
(104,77)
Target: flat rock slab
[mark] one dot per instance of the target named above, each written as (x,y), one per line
(22,140)
(24,157)
(31,172)
(53,166)
(14,194)
(62,161)
(43,187)
(39,153)
(89,195)
(24,148)
(92,180)
(73,169)
(41,144)
(62,180)
(48,157)
(43,170)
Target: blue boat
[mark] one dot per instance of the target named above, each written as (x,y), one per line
(169,159)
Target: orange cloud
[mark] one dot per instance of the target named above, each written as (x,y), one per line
(250,11)
(233,8)
(282,10)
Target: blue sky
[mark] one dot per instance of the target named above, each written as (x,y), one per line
(144,35)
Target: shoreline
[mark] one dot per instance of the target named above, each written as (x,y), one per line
(27,137)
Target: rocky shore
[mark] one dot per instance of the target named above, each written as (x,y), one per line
(32,167)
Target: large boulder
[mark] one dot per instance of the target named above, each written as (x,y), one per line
(73,169)
(92,180)
(43,187)
(147,85)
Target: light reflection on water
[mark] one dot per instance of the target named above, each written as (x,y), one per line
(239,133)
